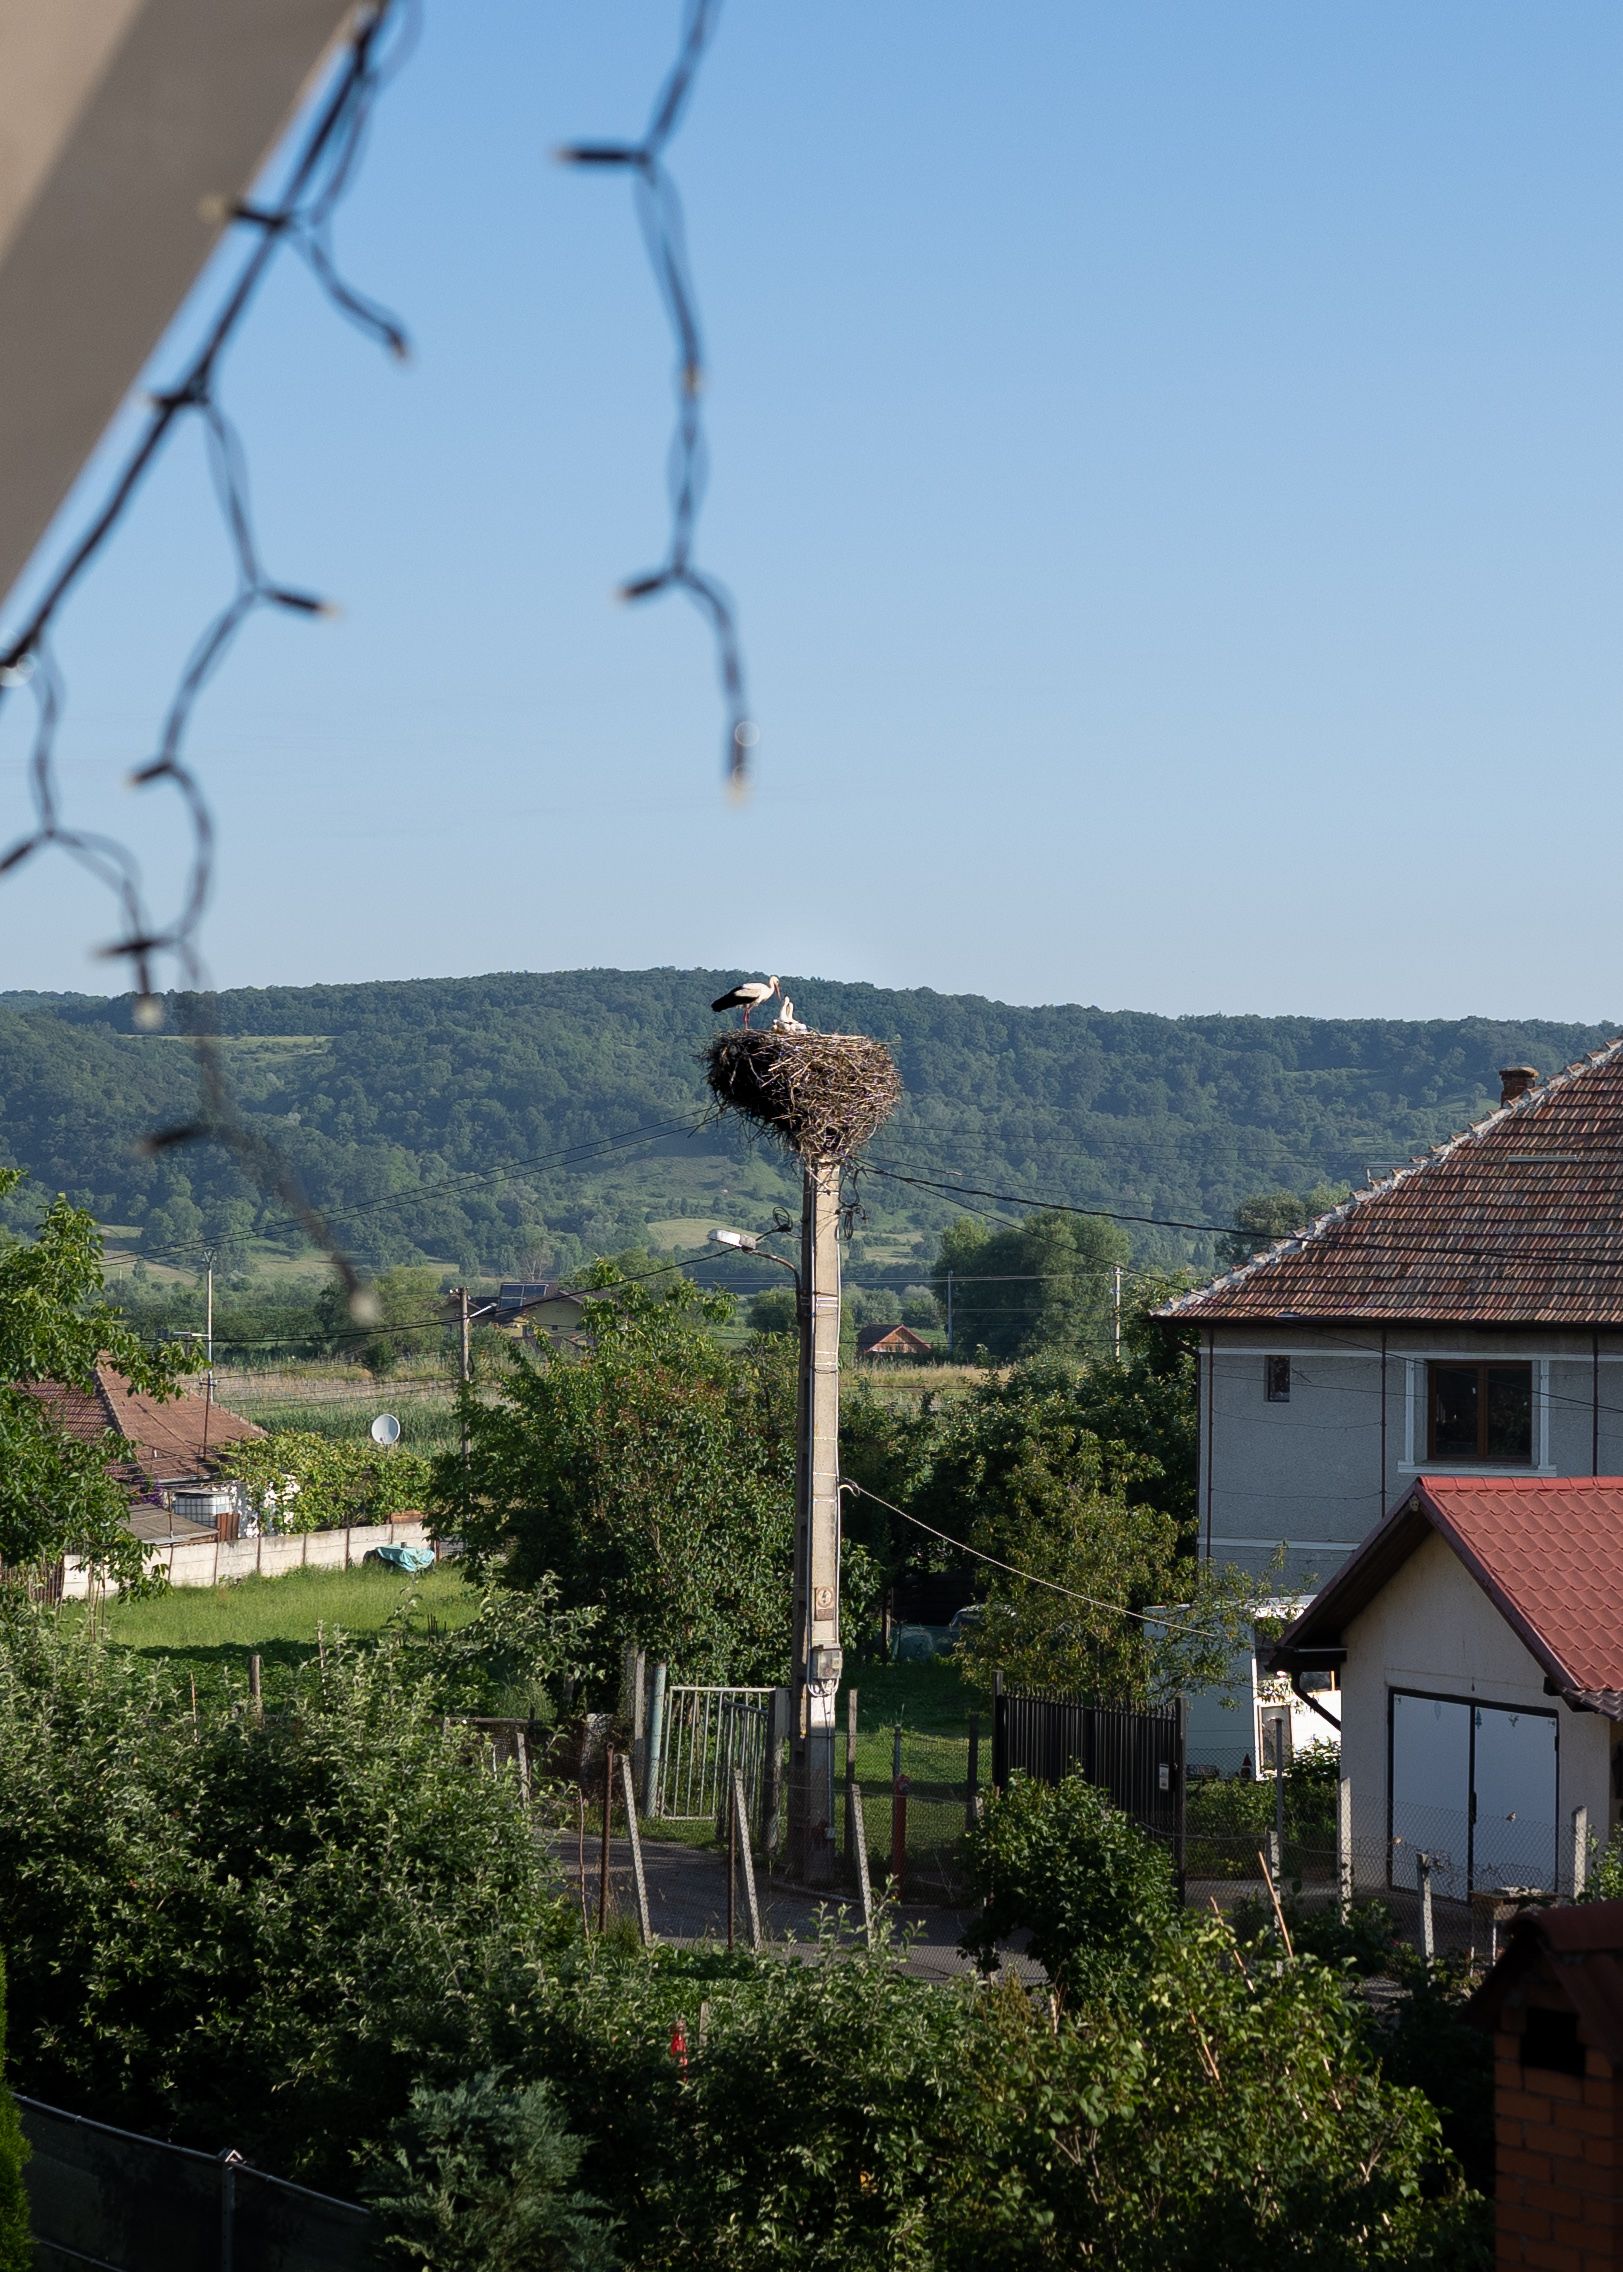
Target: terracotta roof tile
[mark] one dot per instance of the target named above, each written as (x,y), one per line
(1548,1551)
(1516,1221)
(172,1442)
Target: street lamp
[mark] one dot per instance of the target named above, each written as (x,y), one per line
(749,1242)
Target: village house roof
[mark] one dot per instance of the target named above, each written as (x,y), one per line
(1515,1221)
(1546,1550)
(172,1442)
(891,1341)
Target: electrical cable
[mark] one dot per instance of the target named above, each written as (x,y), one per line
(1030,1577)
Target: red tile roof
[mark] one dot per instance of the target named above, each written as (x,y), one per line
(1516,1221)
(173,1442)
(1548,1552)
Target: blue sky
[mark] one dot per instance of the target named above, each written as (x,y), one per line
(1166,458)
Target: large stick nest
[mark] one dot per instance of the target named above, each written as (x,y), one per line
(821,1094)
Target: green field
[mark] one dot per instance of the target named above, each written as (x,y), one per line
(209,1632)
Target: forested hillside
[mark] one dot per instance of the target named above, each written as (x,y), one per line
(426,1115)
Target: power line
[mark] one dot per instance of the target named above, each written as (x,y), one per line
(1030,1577)
(659,210)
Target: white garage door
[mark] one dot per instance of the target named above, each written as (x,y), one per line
(1431,1790)
(1474,1786)
(1513,1838)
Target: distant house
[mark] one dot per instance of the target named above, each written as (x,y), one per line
(1478,1638)
(892,1341)
(174,1447)
(1463,1316)
(539,1306)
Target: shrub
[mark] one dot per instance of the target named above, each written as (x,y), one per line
(480,2178)
(1064,1865)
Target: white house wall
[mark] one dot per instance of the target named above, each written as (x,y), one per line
(1318,1473)
(1432,1629)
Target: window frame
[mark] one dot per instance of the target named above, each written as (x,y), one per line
(1276,1380)
(1482,1367)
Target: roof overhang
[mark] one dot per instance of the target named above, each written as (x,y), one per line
(1418,1516)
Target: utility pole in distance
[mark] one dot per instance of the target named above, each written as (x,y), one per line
(817,1656)
(465,1363)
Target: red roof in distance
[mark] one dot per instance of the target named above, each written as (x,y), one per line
(1516,1221)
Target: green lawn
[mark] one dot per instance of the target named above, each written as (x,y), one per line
(209,1632)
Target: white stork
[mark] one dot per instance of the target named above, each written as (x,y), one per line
(787,1022)
(749,995)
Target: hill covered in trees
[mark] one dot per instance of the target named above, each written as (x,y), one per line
(524,1121)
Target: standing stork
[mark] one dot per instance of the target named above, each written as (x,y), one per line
(748,995)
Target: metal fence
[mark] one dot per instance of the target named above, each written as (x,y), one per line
(121,2202)
(1137,1756)
(703,1735)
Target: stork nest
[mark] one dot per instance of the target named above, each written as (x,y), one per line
(821,1094)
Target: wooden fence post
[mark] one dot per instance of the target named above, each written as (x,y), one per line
(628,1779)
(608,1830)
(741,1817)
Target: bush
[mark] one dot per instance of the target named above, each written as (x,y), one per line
(297,1481)
(16,2249)
(480,2178)
(1064,1865)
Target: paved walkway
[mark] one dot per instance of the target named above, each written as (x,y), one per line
(687,1906)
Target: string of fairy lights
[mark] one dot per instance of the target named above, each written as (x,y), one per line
(659,211)
(301,220)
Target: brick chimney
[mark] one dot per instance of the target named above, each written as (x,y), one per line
(1515,1081)
(1555,2004)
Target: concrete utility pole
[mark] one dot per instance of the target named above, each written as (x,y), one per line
(817,1656)
(465,1364)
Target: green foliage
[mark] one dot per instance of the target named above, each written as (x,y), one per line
(843,2118)
(774,1311)
(16,2249)
(273,1933)
(1043,1285)
(56,1496)
(1604,1878)
(1063,1865)
(400,1092)
(301,1482)
(654,1474)
(517,1659)
(410,1321)
(1271,1215)
(480,2178)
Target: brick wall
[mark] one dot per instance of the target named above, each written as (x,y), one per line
(1558,2144)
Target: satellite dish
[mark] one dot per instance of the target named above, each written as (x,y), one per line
(386,1429)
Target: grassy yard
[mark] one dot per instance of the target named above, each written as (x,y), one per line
(209,1632)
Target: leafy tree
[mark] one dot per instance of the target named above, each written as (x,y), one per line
(1271,1215)
(411,1319)
(1044,1285)
(1148,1401)
(1066,1867)
(654,1474)
(16,2249)
(774,1312)
(481,2178)
(56,1496)
(302,1482)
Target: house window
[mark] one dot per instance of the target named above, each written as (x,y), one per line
(1276,1379)
(1482,1412)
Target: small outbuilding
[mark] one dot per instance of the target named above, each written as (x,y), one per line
(1477,1637)
(1554,2002)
